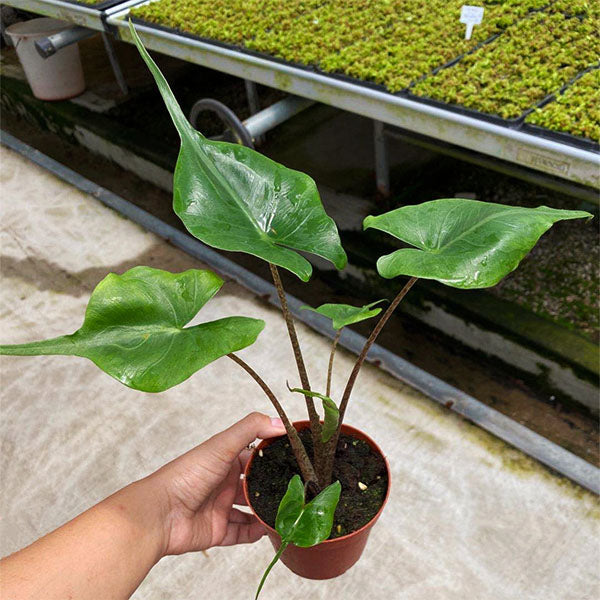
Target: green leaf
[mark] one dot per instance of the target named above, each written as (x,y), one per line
(331,412)
(463,243)
(302,524)
(233,198)
(345,314)
(309,524)
(134,328)
(290,508)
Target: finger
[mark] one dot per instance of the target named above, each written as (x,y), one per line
(229,443)
(242,533)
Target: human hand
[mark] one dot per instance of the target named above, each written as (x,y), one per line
(199,488)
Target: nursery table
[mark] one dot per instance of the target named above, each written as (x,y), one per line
(512,148)
(507,144)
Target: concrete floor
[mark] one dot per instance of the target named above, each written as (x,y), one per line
(468,517)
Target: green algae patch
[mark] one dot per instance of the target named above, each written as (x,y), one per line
(417,434)
(576,111)
(519,69)
(506,456)
(283,81)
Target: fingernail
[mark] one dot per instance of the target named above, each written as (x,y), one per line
(277,422)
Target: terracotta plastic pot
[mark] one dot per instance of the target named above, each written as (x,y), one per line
(332,557)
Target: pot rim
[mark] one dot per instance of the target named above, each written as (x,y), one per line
(348,429)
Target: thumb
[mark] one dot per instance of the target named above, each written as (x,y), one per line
(229,443)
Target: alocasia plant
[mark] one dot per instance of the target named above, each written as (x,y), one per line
(233,198)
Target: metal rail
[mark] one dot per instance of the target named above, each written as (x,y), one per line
(550,454)
(520,147)
(86,16)
(563,186)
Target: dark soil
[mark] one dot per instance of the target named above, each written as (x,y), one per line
(354,461)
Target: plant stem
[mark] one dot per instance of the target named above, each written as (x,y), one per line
(271,565)
(332,444)
(306,467)
(315,423)
(331,357)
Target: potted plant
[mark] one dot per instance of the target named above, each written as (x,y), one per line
(233,198)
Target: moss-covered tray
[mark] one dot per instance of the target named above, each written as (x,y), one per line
(575,112)
(523,52)
(519,70)
(389,42)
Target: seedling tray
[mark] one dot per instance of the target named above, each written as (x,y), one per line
(238,48)
(514,123)
(367,99)
(315,69)
(563,137)
(517,123)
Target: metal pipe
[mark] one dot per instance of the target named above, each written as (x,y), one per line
(529,442)
(535,177)
(252,96)
(50,45)
(265,120)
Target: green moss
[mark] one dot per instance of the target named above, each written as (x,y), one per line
(532,59)
(576,111)
(397,43)
(390,42)
(510,458)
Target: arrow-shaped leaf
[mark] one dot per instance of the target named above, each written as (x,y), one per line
(331,412)
(309,524)
(345,314)
(233,198)
(302,524)
(134,328)
(463,243)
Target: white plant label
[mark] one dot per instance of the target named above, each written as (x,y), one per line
(470,16)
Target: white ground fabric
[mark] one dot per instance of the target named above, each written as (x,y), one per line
(469,518)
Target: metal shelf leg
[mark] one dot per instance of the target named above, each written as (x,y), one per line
(382,166)
(253,104)
(114,63)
